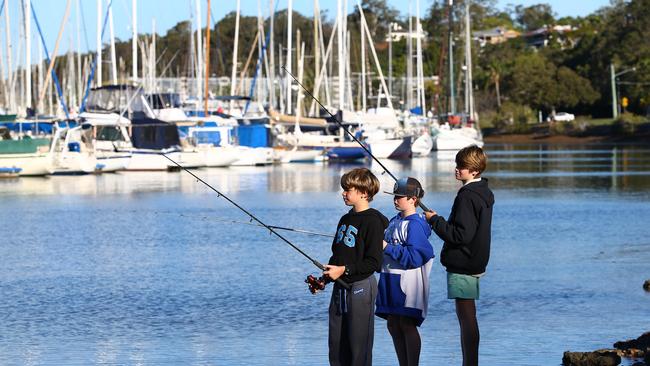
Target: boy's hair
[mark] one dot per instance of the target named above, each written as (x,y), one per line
(362,180)
(473,158)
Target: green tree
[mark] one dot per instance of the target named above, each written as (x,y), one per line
(534,16)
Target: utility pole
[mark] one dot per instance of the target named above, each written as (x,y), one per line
(613,76)
(390,60)
(614,97)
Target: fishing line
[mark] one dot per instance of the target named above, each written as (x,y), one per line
(253,218)
(425,208)
(301,231)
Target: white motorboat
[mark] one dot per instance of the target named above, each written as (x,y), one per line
(446,138)
(148,138)
(110,140)
(422,145)
(73,151)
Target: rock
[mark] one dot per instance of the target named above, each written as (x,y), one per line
(646,285)
(635,347)
(603,357)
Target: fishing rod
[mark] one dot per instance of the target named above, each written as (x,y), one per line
(271,226)
(271,229)
(425,208)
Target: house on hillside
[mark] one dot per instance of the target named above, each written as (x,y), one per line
(494,36)
(543,36)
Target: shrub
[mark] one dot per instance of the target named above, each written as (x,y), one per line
(513,118)
(626,124)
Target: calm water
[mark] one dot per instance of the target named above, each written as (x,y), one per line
(142,269)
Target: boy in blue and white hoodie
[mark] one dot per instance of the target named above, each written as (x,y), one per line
(404,280)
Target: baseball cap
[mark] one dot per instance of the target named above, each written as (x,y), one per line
(409,187)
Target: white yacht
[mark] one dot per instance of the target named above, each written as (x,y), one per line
(135,129)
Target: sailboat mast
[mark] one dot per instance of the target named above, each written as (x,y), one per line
(420,67)
(113,55)
(152,59)
(199,50)
(339,38)
(99,43)
(28,54)
(452,96)
(363,70)
(468,64)
(10,69)
(134,40)
(289,45)
(79,75)
(233,78)
(3,85)
(271,71)
(207,61)
(409,62)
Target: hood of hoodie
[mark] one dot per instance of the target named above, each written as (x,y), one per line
(419,219)
(481,188)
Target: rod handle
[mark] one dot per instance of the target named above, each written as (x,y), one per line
(338,280)
(423,207)
(344,284)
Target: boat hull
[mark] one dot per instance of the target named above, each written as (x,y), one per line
(26,164)
(391,148)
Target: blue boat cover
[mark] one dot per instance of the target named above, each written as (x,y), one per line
(253,135)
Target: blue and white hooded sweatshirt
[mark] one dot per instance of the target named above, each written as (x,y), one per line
(404,278)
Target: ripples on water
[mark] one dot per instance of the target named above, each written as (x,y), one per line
(141,268)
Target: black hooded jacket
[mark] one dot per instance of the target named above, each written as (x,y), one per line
(467,233)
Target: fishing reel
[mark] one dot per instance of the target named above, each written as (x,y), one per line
(315,284)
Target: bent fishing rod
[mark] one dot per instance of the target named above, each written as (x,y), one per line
(271,229)
(425,208)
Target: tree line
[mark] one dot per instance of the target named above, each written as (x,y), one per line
(571,73)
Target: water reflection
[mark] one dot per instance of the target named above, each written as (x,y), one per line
(617,167)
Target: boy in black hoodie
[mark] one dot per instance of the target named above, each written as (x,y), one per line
(466,251)
(357,253)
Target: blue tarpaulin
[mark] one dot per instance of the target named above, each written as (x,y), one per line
(253,135)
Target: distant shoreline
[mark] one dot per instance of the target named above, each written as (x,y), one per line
(563,139)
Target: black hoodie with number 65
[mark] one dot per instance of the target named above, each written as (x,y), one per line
(467,233)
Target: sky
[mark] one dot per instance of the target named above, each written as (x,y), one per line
(167,13)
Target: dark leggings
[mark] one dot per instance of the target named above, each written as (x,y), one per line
(469,333)
(406,339)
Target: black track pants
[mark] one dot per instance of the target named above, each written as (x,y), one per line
(352,323)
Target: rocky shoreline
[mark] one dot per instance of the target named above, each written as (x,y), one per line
(635,349)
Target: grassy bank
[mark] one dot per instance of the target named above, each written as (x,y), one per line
(626,128)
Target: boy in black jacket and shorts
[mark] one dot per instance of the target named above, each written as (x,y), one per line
(357,253)
(466,251)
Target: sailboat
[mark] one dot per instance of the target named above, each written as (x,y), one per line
(25,156)
(456,134)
